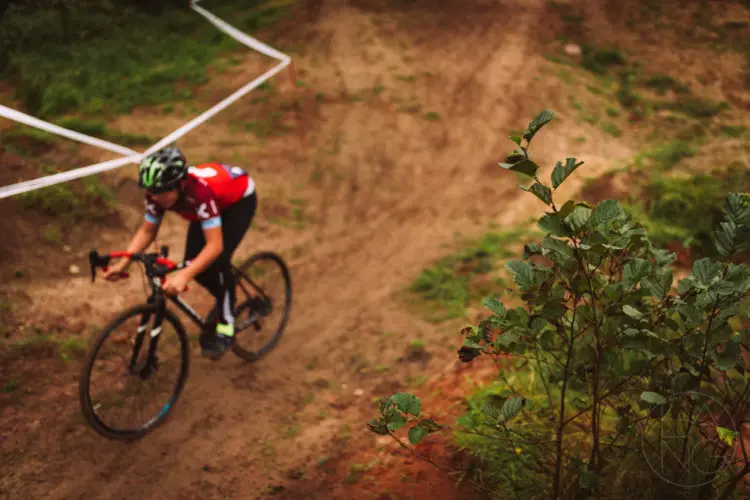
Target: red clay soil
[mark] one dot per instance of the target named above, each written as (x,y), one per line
(372,466)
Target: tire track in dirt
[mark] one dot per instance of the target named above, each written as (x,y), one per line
(216,442)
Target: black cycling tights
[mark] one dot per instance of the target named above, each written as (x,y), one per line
(218,279)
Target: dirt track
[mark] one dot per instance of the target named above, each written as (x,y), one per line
(407,186)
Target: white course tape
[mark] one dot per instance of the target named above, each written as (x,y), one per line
(55,129)
(131,156)
(241,37)
(49,180)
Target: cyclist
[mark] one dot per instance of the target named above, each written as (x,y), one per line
(219,201)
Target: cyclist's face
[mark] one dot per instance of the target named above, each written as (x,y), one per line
(167,199)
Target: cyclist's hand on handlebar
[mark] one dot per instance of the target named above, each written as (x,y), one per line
(117,271)
(176,284)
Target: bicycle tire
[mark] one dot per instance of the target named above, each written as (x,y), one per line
(240,273)
(254,356)
(89,413)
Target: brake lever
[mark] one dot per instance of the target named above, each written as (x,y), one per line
(96,260)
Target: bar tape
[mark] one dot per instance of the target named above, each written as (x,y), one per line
(130,156)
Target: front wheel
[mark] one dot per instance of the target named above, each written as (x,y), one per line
(142,364)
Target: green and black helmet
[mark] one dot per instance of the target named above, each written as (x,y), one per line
(162,170)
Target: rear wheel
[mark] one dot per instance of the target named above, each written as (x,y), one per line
(263,296)
(141,376)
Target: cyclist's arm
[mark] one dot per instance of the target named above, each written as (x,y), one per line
(143,237)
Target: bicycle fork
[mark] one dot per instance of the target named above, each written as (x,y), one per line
(154,334)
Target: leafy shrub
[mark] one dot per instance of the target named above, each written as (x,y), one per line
(611,356)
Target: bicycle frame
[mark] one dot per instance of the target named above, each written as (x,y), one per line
(157,266)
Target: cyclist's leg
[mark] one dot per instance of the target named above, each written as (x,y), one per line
(235,222)
(218,278)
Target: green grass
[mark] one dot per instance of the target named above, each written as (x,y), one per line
(687,209)
(661,83)
(449,286)
(695,107)
(733,130)
(599,59)
(75,201)
(67,349)
(117,57)
(666,156)
(611,129)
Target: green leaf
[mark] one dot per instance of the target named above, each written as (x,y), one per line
(632,312)
(407,403)
(685,381)
(553,224)
(725,237)
(560,247)
(516,139)
(540,191)
(514,157)
(430,425)
(728,358)
(525,167)
(664,257)
(416,434)
(511,407)
(737,208)
(396,421)
(523,273)
(553,310)
(705,270)
(530,249)
(726,435)
(578,218)
(661,284)
(653,398)
(494,305)
(547,339)
(635,271)
(567,208)
(589,480)
(537,123)
(467,421)
(378,426)
(605,212)
(561,172)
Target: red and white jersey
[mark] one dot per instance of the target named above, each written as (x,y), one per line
(208,190)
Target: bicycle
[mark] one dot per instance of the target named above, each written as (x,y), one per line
(249,312)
